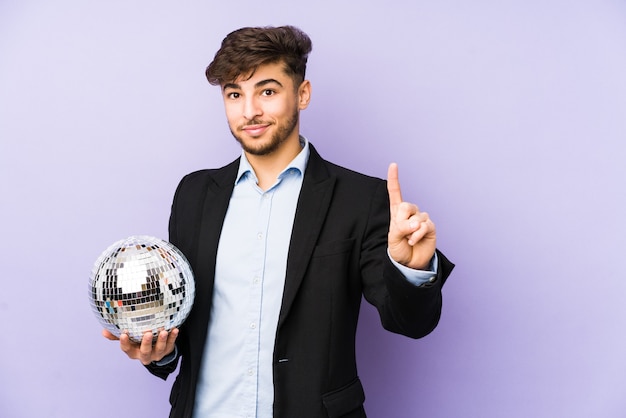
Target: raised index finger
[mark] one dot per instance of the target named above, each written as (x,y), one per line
(393,185)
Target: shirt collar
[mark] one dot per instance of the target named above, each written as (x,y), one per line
(298,164)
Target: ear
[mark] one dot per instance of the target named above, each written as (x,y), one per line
(304,94)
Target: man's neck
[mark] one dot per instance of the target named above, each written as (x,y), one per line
(268,167)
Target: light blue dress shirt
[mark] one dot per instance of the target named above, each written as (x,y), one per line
(236,378)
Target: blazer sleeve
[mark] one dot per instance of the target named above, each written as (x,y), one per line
(157,369)
(404,308)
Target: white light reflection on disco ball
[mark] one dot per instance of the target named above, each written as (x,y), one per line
(141,284)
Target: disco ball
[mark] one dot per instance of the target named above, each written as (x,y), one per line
(141,284)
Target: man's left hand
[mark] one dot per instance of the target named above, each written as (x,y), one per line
(412,237)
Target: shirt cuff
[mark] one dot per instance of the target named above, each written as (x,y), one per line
(418,277)
(167,359)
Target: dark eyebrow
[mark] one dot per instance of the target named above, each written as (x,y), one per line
(260,84)
(231,86)
(268,81)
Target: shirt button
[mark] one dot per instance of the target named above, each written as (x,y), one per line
(250,372)
(252,325)
(259,235)
(256,280)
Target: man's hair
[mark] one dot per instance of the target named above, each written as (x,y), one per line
(245,49)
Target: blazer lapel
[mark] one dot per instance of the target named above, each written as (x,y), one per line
(219,189)
(313,204)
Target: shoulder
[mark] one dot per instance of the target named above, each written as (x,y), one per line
(322,167)
(350,175)
(355,184)
(201,179)
(350,187)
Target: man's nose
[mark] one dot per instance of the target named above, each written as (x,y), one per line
(251,108)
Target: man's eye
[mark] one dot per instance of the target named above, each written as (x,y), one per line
(233,95)
(268,92)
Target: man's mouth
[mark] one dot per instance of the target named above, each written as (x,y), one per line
(255,129)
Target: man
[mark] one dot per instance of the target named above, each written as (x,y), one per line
(283,245)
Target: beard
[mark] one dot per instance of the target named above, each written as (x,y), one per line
(278,138)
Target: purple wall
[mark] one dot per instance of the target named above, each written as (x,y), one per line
(508,120)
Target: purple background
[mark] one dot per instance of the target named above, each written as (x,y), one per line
(508,121)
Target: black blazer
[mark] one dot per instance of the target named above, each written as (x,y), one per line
(337,254)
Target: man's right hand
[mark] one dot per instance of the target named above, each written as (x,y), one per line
(146,352)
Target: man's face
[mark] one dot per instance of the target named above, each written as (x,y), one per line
(263,111)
